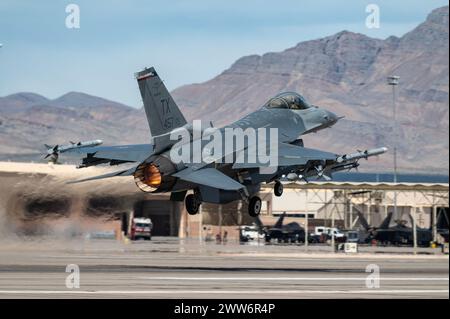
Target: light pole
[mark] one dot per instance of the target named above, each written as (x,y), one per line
(393,81)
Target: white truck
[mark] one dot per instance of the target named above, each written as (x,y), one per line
(250,233)
(339,236)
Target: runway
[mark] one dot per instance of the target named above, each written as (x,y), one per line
(173,268)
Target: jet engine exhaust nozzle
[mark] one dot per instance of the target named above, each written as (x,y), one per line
(154,177)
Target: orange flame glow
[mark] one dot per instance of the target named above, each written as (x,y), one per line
(152,176)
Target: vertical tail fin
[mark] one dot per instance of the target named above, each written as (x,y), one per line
(280,220)
(163,115)
(386,221)
(363,221)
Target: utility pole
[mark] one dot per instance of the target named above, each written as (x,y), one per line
(306,220)
(393,81)
(220,221)
(434,227)
(332,230)
(200,225)
(415,230)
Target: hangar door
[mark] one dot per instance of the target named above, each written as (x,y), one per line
(159,212)
(442,217)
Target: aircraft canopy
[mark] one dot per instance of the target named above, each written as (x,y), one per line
(288,100)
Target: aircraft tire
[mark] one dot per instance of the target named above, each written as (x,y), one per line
(192,204)
(278,189)
(254,206)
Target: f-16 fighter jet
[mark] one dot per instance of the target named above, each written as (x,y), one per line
(221,165)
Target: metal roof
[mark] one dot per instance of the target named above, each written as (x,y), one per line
(441,187)
(69,171)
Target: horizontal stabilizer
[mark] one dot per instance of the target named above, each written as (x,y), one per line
(209,177)
(126,172)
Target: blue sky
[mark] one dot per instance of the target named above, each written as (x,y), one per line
(188,41)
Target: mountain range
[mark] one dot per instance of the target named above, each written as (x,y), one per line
(345,73)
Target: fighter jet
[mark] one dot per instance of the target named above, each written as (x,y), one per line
(54,151)
(398,234)
(291,232)
(224,178)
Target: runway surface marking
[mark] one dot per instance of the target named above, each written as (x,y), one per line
(178,292)
(299,278)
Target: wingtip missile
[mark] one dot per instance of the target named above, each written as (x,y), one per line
(362,154)
(54,151)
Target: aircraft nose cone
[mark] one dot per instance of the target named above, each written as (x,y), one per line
(330,117)
(334,117)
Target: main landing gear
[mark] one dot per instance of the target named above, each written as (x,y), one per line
(192,203)
(254,206)
(278,189)
(254,203)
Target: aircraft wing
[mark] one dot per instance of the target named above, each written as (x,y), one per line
(119,154)
(209,177)
(290,155)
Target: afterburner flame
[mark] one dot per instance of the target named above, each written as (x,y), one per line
(148,177)
(152,176)
(155,176)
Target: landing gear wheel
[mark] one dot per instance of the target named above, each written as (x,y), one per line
(192,204)
(278,189)
(254,206)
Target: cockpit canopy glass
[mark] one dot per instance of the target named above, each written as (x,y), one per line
(288,100)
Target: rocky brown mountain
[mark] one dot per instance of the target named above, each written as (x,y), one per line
(346,73)
(28,120)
